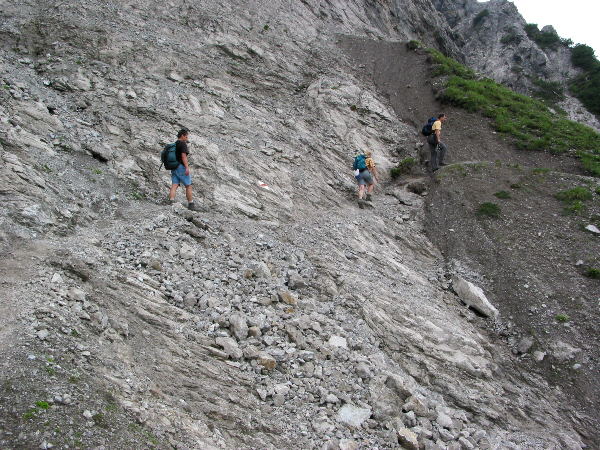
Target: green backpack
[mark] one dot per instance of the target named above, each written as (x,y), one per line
(168,156)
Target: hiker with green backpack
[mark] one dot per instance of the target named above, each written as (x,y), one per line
(175,158)
(364,172)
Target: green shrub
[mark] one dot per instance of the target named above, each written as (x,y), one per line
(562,318)
(583,56)
(511,38)
(414,45)
(502,194)
(577,193)
(550,91)
(488,209)
(479,18)
(42,405)
(515,186)
(598,190)
(544,39)
(404,166)
(592,272)
(586,87)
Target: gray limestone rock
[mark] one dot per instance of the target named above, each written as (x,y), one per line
(473,296)
(230,347)
(239,325)
(352,415)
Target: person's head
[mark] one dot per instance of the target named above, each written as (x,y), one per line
(368,153)
(183,134)
(442,117)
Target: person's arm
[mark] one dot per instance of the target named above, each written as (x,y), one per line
(438,136)
(184,160)
(375,173)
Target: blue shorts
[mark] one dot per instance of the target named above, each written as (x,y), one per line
(365,178)
(178,176)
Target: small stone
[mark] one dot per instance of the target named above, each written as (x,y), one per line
(254,332)
(338,341)
(155,264)
(539,356)
(593,228)
(444,420)
(42,334)
(239,325)
(56,279)
(278,399)
(266,360)
(187,252)
(174,76)
(331,398)
(287,298)
(281,388)
(525,344)
(408,439)
(465,444)
(348,444)
(76,294)
(88,414)
(352,415)
(363,371)
(230,347)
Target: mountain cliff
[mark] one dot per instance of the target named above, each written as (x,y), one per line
(280,315)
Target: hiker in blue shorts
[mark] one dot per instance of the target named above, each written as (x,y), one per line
(181,175)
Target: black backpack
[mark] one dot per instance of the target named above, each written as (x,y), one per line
(426,130)
(168,156)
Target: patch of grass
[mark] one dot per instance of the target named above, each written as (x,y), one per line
(480,17)
(30,414)
(414,45)
(266,27)
(540,170)
(97,171)
(593,272)
(75,333)
(574,208)
(99,420)
(577,193)
(528,121)
(50,370)
(562,318)
(447,66)
(515,186)
(74,379)
(502,194)
(488,209)
(44,168)
(404,166)
(137,195)
(42,405)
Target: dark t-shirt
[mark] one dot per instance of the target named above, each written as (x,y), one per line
(181,147)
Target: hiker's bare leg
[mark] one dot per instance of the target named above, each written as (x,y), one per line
(361,191)
(173,191)
(371,187)
(188,193)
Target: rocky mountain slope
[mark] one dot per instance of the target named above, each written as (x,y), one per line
(492,38)
(280,315)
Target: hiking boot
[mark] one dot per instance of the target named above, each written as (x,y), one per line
(192,206)
(443,164)
(369,198)
(361,203)
(170,202)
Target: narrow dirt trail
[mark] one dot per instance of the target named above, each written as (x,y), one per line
(403,76)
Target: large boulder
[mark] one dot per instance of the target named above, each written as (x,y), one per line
(473,297)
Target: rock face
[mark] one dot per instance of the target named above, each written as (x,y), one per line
(492,38)
(271,318)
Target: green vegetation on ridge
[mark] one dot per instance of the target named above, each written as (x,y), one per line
(533,125)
